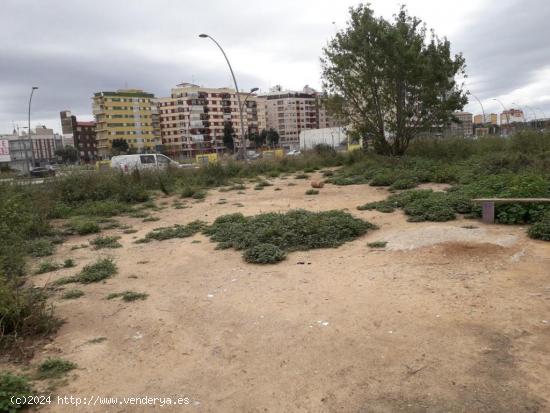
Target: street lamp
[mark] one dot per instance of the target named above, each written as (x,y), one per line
(505,110)
(241,154)
(482,109)
(30,137)
(254,89)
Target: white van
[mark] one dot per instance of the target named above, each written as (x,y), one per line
(127,163)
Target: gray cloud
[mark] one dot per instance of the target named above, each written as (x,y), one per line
(71,49)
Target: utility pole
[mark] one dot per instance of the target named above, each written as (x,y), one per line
(30,136)
(242,153)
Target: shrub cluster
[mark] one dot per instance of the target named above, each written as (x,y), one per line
(266,237)
(177,231)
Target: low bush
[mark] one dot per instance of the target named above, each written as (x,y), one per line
(377,244)
(301,176)
(54,368)
(41,247)
(291,231)
(177,231)
(106,242)
(83,226)
(24,312)
(264,254)
(72,294)
(47,266)
(128,296)
(541,229)
(312,192)
(100,270)
(13,387)
(69,263)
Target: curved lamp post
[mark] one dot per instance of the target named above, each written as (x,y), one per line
(241,153)
(482,109)
(30,136)
(505,110)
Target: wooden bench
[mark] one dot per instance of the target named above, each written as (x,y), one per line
(488,205)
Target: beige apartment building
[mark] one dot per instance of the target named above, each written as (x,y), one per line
(192,119)
(289,112)
(127,114)
(491,118)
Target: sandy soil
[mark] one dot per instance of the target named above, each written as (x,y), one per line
(445,319)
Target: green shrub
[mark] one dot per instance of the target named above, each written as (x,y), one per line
(301,176)
(312,192)
(380,206)
(291,231)
(177,231)
(106,242)
(47,266)
(40,247)
(264,254)
(83,226)
(541,229)
(24,312)
(98,271)
(69,263)
(72,294)
(404,183)
(53,368)
(377,244)
(128,296)
(12,387)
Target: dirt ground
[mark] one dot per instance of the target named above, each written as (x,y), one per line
(444,319)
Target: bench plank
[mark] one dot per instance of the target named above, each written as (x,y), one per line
(513,200)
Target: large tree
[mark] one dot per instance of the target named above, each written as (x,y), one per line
(272,137)
(228,136)
(68,154)
(391,79)
(119,146)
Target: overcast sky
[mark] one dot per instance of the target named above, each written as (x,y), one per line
(73,48)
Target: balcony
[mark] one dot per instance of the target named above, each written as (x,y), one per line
(196,109)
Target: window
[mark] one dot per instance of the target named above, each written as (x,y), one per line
(147,159)
(162,160)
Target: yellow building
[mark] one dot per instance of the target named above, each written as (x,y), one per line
(127,114)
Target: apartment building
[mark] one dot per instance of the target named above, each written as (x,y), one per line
(79,134)
(127,114)
(511,116)
(491,118)
(290,112)
(464,127)
(44,144)
(192,119)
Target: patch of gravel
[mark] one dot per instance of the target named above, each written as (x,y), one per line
(410,239)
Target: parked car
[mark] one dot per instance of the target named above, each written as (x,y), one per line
(42,172)
(294,152)
(127,163)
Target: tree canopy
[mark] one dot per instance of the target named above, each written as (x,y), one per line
(391,80)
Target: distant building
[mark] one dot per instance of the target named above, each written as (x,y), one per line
(511,116)
(193,118)
(44,145)
(462,128)
(491,118)
(336,138)
(126,114)
(290,112)
(81,135)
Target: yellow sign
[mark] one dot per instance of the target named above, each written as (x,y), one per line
(206,158)
(276,153)
(353,147)
(103,165)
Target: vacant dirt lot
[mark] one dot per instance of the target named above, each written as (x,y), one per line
(444,319)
